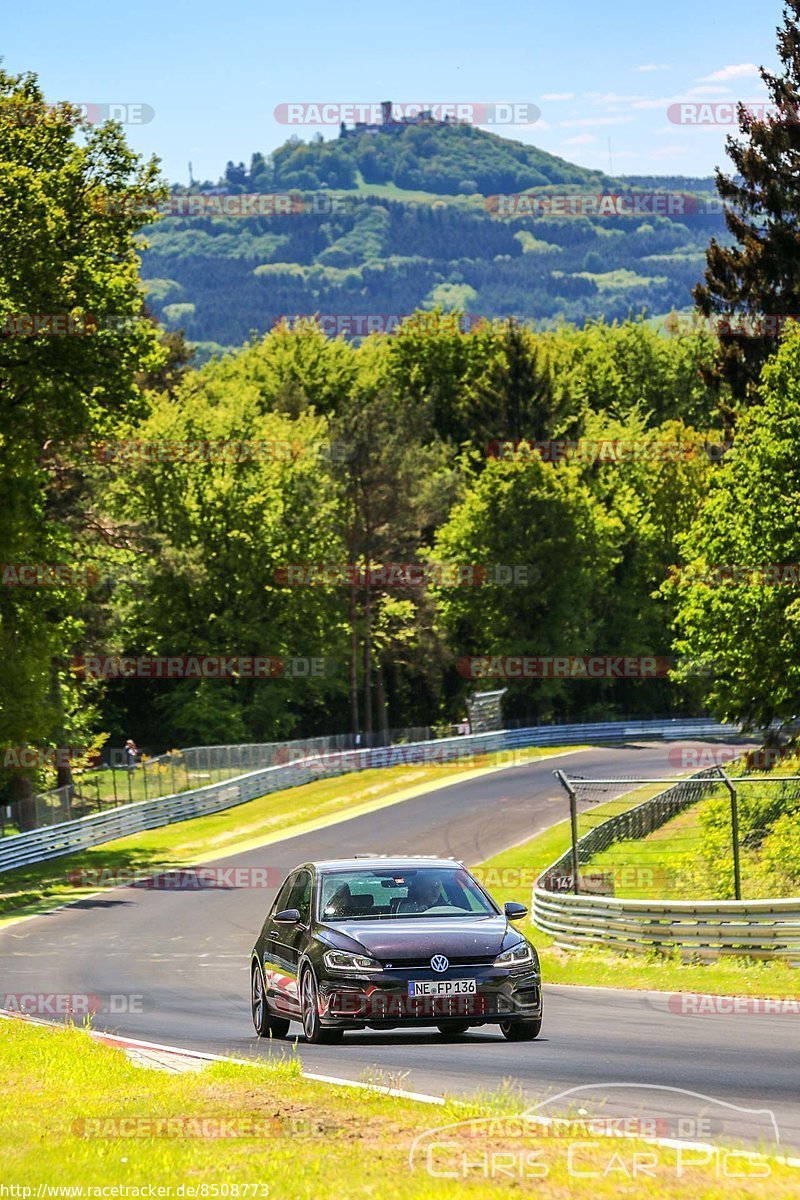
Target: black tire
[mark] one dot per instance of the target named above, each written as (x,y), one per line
(266,1025)
(309,1007)
(521,1031)
(453,1028)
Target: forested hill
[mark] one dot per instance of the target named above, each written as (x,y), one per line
(386,223)
(450,160)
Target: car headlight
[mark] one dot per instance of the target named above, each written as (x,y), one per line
(517,956)
(340,960)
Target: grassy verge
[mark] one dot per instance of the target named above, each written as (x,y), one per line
(691,857)
(31,889)
(107,787)
(146,782)
(659,858)
(77,1114)
(510,876)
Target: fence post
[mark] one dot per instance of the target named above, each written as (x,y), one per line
(737,871)
(114,782)
(573,819)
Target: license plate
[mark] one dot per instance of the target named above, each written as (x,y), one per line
(442,987)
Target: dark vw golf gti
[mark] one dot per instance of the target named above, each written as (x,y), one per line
(383,942)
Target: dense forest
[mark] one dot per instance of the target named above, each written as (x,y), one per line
(386,224)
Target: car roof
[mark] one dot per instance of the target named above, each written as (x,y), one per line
(384,862)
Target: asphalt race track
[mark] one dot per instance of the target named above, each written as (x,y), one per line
(187,954)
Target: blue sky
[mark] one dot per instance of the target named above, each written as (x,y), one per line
(214,73)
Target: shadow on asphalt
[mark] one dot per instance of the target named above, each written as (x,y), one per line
(486,1037)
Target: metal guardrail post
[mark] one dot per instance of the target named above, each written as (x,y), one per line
(573,820)
(737,870)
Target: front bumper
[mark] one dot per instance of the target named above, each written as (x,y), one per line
(382,999)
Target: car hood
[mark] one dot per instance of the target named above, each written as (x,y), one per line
(395,939)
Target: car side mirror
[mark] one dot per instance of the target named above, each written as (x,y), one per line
(514,911)
(290,916)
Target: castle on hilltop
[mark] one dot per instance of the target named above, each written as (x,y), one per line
(396,123)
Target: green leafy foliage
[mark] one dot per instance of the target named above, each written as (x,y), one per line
(68,257)
(738,621)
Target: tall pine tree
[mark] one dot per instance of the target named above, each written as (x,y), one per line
(758,277)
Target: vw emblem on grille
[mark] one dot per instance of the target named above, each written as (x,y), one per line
(439,962)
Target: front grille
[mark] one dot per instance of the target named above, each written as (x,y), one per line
(422,964)
(397,1006)
(382,1007)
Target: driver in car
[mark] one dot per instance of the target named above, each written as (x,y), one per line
(424,892)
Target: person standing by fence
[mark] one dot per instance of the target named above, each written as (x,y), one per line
(130,754)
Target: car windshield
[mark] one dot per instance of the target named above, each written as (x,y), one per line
(375,894)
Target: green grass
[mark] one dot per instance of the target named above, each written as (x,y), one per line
(390,191)
(62,1098)
(620,280)
(100,789)
(669,863)
(510,876)
(691,856)
(107,788)
(31,889)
